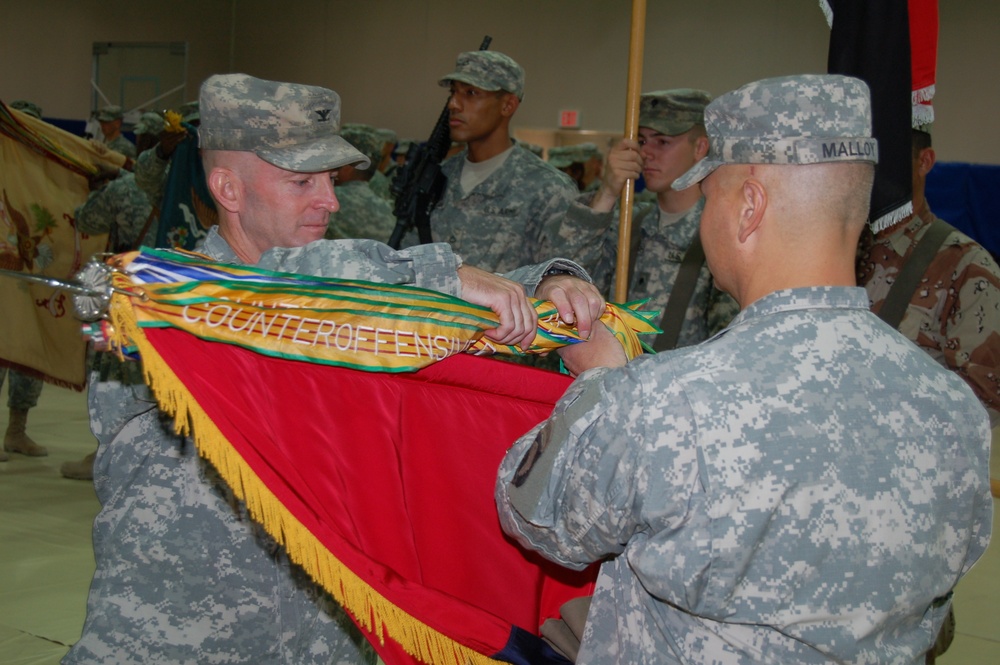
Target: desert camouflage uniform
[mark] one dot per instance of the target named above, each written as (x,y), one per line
(499,224)
(789,491)
(362,214)
(23,390)
(121,144)
(122,205)
(955,312)
(182,577)
(591,238)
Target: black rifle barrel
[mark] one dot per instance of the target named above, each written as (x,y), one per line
(419,184)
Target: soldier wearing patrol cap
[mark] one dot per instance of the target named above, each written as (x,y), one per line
(180,577)
(581,161)
(24,106)
(110,119)
(363,213)
(499,197)
(807,486)
(666,265)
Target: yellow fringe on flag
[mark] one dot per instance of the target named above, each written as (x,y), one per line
(371,610)
(164,304)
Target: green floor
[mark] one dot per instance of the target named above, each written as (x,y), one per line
(46,560)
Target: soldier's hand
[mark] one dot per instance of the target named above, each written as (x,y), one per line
(101,178)
(168,143)
(601,350)
(518,320)
(577,300)
(624,163)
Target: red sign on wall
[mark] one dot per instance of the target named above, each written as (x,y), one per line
(569,119)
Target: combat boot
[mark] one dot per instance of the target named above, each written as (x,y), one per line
(16,439)
(81,470)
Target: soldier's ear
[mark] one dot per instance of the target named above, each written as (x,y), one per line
(925,161)
(753,202)
(700,147)
(510,104)
(224,185)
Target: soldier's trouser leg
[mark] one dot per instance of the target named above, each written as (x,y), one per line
(23,395)
(944,638)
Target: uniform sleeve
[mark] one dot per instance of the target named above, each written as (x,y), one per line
(972,328)
(584,235)
(531,276)
(432,266)
(92,217)
(151,175)
(569,488)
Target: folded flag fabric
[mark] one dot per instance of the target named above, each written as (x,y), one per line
(43,178)
(378,482)
(354,324)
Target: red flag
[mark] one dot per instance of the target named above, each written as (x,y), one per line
(923,54)
(381,487)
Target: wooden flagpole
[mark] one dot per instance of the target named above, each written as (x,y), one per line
(635,52)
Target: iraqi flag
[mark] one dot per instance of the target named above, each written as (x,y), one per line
(892,46)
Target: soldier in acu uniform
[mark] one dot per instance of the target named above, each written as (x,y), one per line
(362,212)
(500,197)
(110,119)
(952,312)
(806,487)
(665,243)
(182,577)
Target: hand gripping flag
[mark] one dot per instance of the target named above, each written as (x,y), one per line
(378,482)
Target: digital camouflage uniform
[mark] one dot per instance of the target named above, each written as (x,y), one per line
(591,238)
(122,206)
(807,486)
(789,491)
(121,144)
(499,224)
(954,314)
(151,173)
(382,186)
(181,576)
(660,240)
(362,213)
(22,391)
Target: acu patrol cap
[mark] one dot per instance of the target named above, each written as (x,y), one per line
(804,119)
(673,112)
(150,123)
(488,70)
(110,113)
(365,138)
(189,111)
(24,106)
(563,156)
(292,126)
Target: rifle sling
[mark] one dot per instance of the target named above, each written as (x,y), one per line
(680,296)
(902,290)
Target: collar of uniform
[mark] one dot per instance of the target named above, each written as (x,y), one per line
(810,297)
(216,248)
